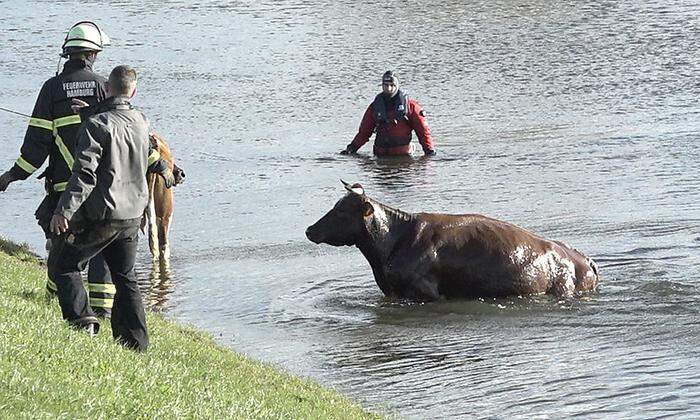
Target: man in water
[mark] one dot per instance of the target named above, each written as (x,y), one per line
(393,115)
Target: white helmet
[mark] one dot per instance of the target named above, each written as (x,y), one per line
(84,36)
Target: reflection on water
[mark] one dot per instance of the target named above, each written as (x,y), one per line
(576,120)
(395,171)
(157,286)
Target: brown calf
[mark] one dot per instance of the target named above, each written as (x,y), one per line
(159,213)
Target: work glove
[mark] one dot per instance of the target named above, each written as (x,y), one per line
(6,179)
(350,149)
(168,178)
(429,152)
(178,174)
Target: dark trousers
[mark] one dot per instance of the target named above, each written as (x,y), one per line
(117,241)
(100,287)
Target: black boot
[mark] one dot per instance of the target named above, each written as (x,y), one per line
(102,313)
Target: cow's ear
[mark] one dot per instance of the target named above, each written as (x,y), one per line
(367,209)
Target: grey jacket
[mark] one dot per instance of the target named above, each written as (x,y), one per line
(108,181)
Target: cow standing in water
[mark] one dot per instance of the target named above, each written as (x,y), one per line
(425,256)
(159,212)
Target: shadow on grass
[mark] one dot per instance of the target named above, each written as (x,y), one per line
(21,251)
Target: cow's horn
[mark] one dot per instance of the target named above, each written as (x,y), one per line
(355,188)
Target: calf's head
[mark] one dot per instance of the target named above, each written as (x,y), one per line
(345,222)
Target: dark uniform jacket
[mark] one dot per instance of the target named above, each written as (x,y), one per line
(108,182)
(53,127)
(53,131)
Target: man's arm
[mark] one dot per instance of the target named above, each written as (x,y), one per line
(84,177)
(158,165)
(416,117)
(37,141)
(364,133)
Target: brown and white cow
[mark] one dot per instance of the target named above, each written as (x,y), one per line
(426,256)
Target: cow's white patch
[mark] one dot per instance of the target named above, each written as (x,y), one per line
(153,229)
(381,220)
(549,266)
(518,256)
(568,275)
(534,267)
(379,230)
(545,264)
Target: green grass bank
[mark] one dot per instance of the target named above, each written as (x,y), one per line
(48,370)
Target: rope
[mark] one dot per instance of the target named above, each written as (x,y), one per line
(14,112)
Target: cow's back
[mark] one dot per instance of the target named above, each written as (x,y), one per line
(476,256)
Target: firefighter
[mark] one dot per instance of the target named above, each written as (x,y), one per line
(393,116)
(52,133)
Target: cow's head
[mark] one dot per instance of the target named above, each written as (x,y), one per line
(346,222)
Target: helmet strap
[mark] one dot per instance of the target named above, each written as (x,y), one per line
(58,66)
(90,58)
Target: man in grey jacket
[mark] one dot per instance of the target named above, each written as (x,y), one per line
(103,203)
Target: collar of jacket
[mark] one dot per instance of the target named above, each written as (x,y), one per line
(76,64)
(115,102)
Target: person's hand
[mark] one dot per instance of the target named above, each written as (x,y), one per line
(178,174)
(5,180)
(168,178)
(77,104)
(59,224)
(348,150)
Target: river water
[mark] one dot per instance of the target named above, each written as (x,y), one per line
(577,120)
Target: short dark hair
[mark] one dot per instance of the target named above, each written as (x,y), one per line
(122,80)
